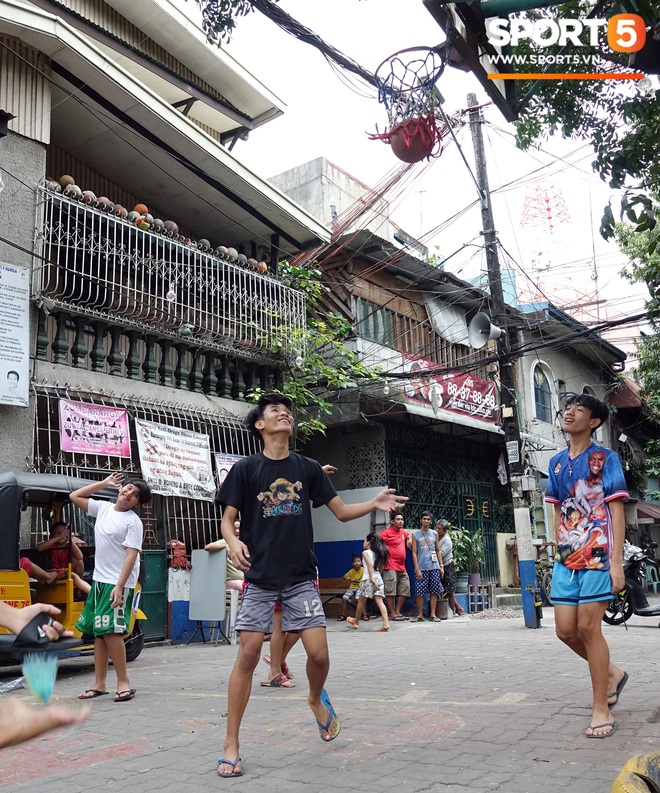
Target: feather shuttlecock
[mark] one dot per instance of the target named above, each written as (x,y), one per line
(40,671)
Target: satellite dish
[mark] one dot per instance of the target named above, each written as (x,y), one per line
(481,331)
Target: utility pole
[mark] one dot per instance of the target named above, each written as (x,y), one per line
(519,483)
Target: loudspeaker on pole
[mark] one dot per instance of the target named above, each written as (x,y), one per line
(481,331)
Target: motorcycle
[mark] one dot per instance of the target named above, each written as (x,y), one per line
(632,598)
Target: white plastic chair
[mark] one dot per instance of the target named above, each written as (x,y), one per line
(226,628)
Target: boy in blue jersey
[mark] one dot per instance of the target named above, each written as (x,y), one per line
(587,485)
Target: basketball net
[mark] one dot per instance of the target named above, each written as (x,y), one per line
(405,83)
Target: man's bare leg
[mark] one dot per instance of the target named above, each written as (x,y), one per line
(318,666)
(280,645)
(116,649)
(401,599)
(581,629)
(390,606)
(100,666)
(240,686)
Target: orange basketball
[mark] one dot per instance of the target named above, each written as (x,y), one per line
(143,209)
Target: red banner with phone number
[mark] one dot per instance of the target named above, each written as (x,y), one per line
(456,392)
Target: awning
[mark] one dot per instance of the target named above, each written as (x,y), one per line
(649,513)
(453,418)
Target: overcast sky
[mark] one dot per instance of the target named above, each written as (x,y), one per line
(329,115)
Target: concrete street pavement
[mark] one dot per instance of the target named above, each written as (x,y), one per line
(467,705)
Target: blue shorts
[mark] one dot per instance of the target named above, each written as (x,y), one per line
(301,608)
(575,587)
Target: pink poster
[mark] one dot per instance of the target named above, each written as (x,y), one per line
(94,429)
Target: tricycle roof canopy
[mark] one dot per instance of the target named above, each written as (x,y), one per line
(19,490)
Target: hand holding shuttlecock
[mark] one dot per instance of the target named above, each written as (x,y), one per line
(40,656)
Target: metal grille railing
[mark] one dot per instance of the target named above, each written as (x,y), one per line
(102,266)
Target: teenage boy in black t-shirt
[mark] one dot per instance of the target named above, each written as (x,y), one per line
(274,491)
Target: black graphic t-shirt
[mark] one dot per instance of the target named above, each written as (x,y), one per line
(273,497)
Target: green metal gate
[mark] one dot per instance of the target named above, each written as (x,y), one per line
(440,473)
(153,600)
(476,508)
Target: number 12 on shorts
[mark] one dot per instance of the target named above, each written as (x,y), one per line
(316,608)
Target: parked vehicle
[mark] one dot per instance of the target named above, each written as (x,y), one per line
(47,496)
(632,599)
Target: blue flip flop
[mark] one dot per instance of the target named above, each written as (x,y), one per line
(619,689)
(233,764)
(332,714)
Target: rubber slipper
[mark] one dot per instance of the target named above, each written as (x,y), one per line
(398,619)
(91,693)
(234,773)
(325,699)
(417,619)
(353,623)
(383,630)
(341,619)
(611,724)
(125,696)
(618,691)
(285,669)
(281,681)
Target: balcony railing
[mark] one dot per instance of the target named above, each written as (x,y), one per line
(96,264)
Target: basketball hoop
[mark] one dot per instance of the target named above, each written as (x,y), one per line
(405,86)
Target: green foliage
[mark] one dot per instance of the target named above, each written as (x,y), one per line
(219,17)
(643,253)
(468,549)
(621,123)
(321,363)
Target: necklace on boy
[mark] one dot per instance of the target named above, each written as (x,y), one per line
(572,463)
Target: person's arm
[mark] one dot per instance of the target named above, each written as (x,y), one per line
(80,583)
(19,722)
(76,553)
(16,619)
(81,496)
(618,537)
(438,555)
(386,500)
(418,572)
(126,570)
(46,545)
(238,552)
(218,545)
(329,469)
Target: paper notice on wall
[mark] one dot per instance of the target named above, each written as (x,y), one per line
(175,461)
(224,464)
(14,335)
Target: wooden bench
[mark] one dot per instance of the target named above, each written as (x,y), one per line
(331,588)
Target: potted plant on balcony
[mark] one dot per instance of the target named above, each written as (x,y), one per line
(469,552)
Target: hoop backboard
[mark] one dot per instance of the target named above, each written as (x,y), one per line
(471,49)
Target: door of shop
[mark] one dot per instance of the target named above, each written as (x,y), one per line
(153,600)
(476,509)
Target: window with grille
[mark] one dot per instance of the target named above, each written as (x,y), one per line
(542,396)
(375,323)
